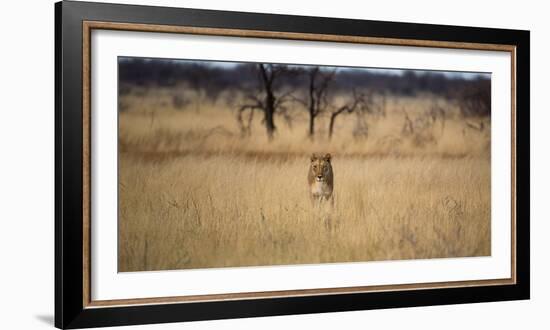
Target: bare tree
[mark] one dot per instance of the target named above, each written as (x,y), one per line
(265,98)
(317,99)
(268,74)
(362,104)
(423,129)
(357,101)
(408,127)
(474,99)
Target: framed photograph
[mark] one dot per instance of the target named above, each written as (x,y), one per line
(215,164)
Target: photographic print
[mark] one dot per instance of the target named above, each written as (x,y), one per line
(216,164)
(233,164)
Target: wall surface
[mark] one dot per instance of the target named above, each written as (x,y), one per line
(26,175)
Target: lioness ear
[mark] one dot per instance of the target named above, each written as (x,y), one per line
(313,157)
(327,157)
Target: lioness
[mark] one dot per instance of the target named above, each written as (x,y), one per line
(320,178)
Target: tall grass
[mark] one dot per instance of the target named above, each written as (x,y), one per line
(195,193)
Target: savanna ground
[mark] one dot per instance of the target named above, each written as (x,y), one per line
(195,193)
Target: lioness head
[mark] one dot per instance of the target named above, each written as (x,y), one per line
(320,168)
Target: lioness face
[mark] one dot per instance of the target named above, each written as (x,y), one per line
(320,167)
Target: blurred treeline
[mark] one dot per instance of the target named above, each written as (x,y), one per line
(212,79)
(322,91)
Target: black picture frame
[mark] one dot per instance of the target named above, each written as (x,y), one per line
(70,310)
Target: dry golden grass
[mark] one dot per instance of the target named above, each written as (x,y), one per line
(194,193)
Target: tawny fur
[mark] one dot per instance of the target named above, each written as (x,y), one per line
(320,178)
